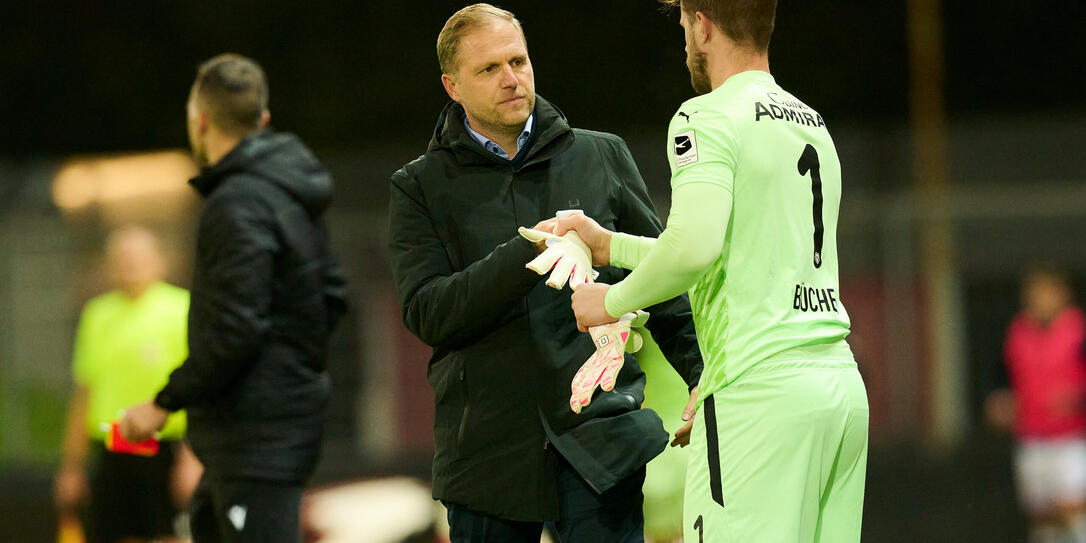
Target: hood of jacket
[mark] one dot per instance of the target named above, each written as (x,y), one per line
(280,159)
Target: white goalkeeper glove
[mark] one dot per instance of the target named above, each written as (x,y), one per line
(566,257)
(612,342)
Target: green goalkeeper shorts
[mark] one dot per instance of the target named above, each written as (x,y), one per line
(780,455)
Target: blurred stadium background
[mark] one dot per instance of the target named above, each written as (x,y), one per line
(961,129)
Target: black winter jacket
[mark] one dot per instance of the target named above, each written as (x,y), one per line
(266,293)
(506,346)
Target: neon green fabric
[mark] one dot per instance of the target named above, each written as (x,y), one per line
(665,475)
(790,469)
(627,251)
(685,250)
(755,180)
(125,350)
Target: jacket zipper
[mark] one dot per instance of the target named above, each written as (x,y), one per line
(512,177)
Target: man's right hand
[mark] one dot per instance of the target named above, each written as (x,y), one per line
(596,237)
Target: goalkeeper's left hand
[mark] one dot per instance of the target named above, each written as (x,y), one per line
(612,341)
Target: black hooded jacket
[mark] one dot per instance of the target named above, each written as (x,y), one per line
(266,293)
(506,346)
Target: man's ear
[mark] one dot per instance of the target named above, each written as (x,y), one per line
(203,121)
(265,118)
(703,28)
(449,82)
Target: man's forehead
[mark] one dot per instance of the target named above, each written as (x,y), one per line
(491,42)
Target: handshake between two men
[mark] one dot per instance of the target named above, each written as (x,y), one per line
(569,259)
(568,246)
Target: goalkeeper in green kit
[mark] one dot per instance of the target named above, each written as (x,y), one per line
(779,450)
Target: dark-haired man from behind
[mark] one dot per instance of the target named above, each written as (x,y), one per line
(266,293)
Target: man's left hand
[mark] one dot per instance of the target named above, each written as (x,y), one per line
(682,435)
(142,421)
(588,305)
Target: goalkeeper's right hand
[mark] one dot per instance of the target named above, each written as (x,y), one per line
(595,237)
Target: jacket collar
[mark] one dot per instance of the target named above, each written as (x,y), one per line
(241,155)
(551,135)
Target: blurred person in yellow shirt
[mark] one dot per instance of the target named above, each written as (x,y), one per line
(128,341)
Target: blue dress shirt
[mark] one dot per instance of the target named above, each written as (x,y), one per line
(494,147)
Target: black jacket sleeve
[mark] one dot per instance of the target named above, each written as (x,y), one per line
(670,321)
(335,284)
(229,313)
(443,306)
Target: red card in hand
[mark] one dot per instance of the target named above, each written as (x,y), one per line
(116,442)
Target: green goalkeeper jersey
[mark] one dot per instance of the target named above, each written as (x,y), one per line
(772,293)
(774,286)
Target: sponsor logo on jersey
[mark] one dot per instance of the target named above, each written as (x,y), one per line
(684,114)
(686,148)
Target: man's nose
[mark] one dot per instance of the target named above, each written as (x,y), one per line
(509,78)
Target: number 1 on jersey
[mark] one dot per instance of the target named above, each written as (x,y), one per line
(808,162)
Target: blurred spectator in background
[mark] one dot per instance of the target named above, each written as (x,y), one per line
(1045,357)
(129,339)
(266,294)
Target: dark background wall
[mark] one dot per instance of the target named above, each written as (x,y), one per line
(88,76)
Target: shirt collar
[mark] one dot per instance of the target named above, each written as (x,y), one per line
(494,147)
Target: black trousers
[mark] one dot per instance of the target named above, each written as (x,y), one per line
(585,516)
(130,495)
(245,511)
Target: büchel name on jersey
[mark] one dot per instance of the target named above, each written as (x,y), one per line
(810,299)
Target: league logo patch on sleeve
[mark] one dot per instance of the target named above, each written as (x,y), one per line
(686,149)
